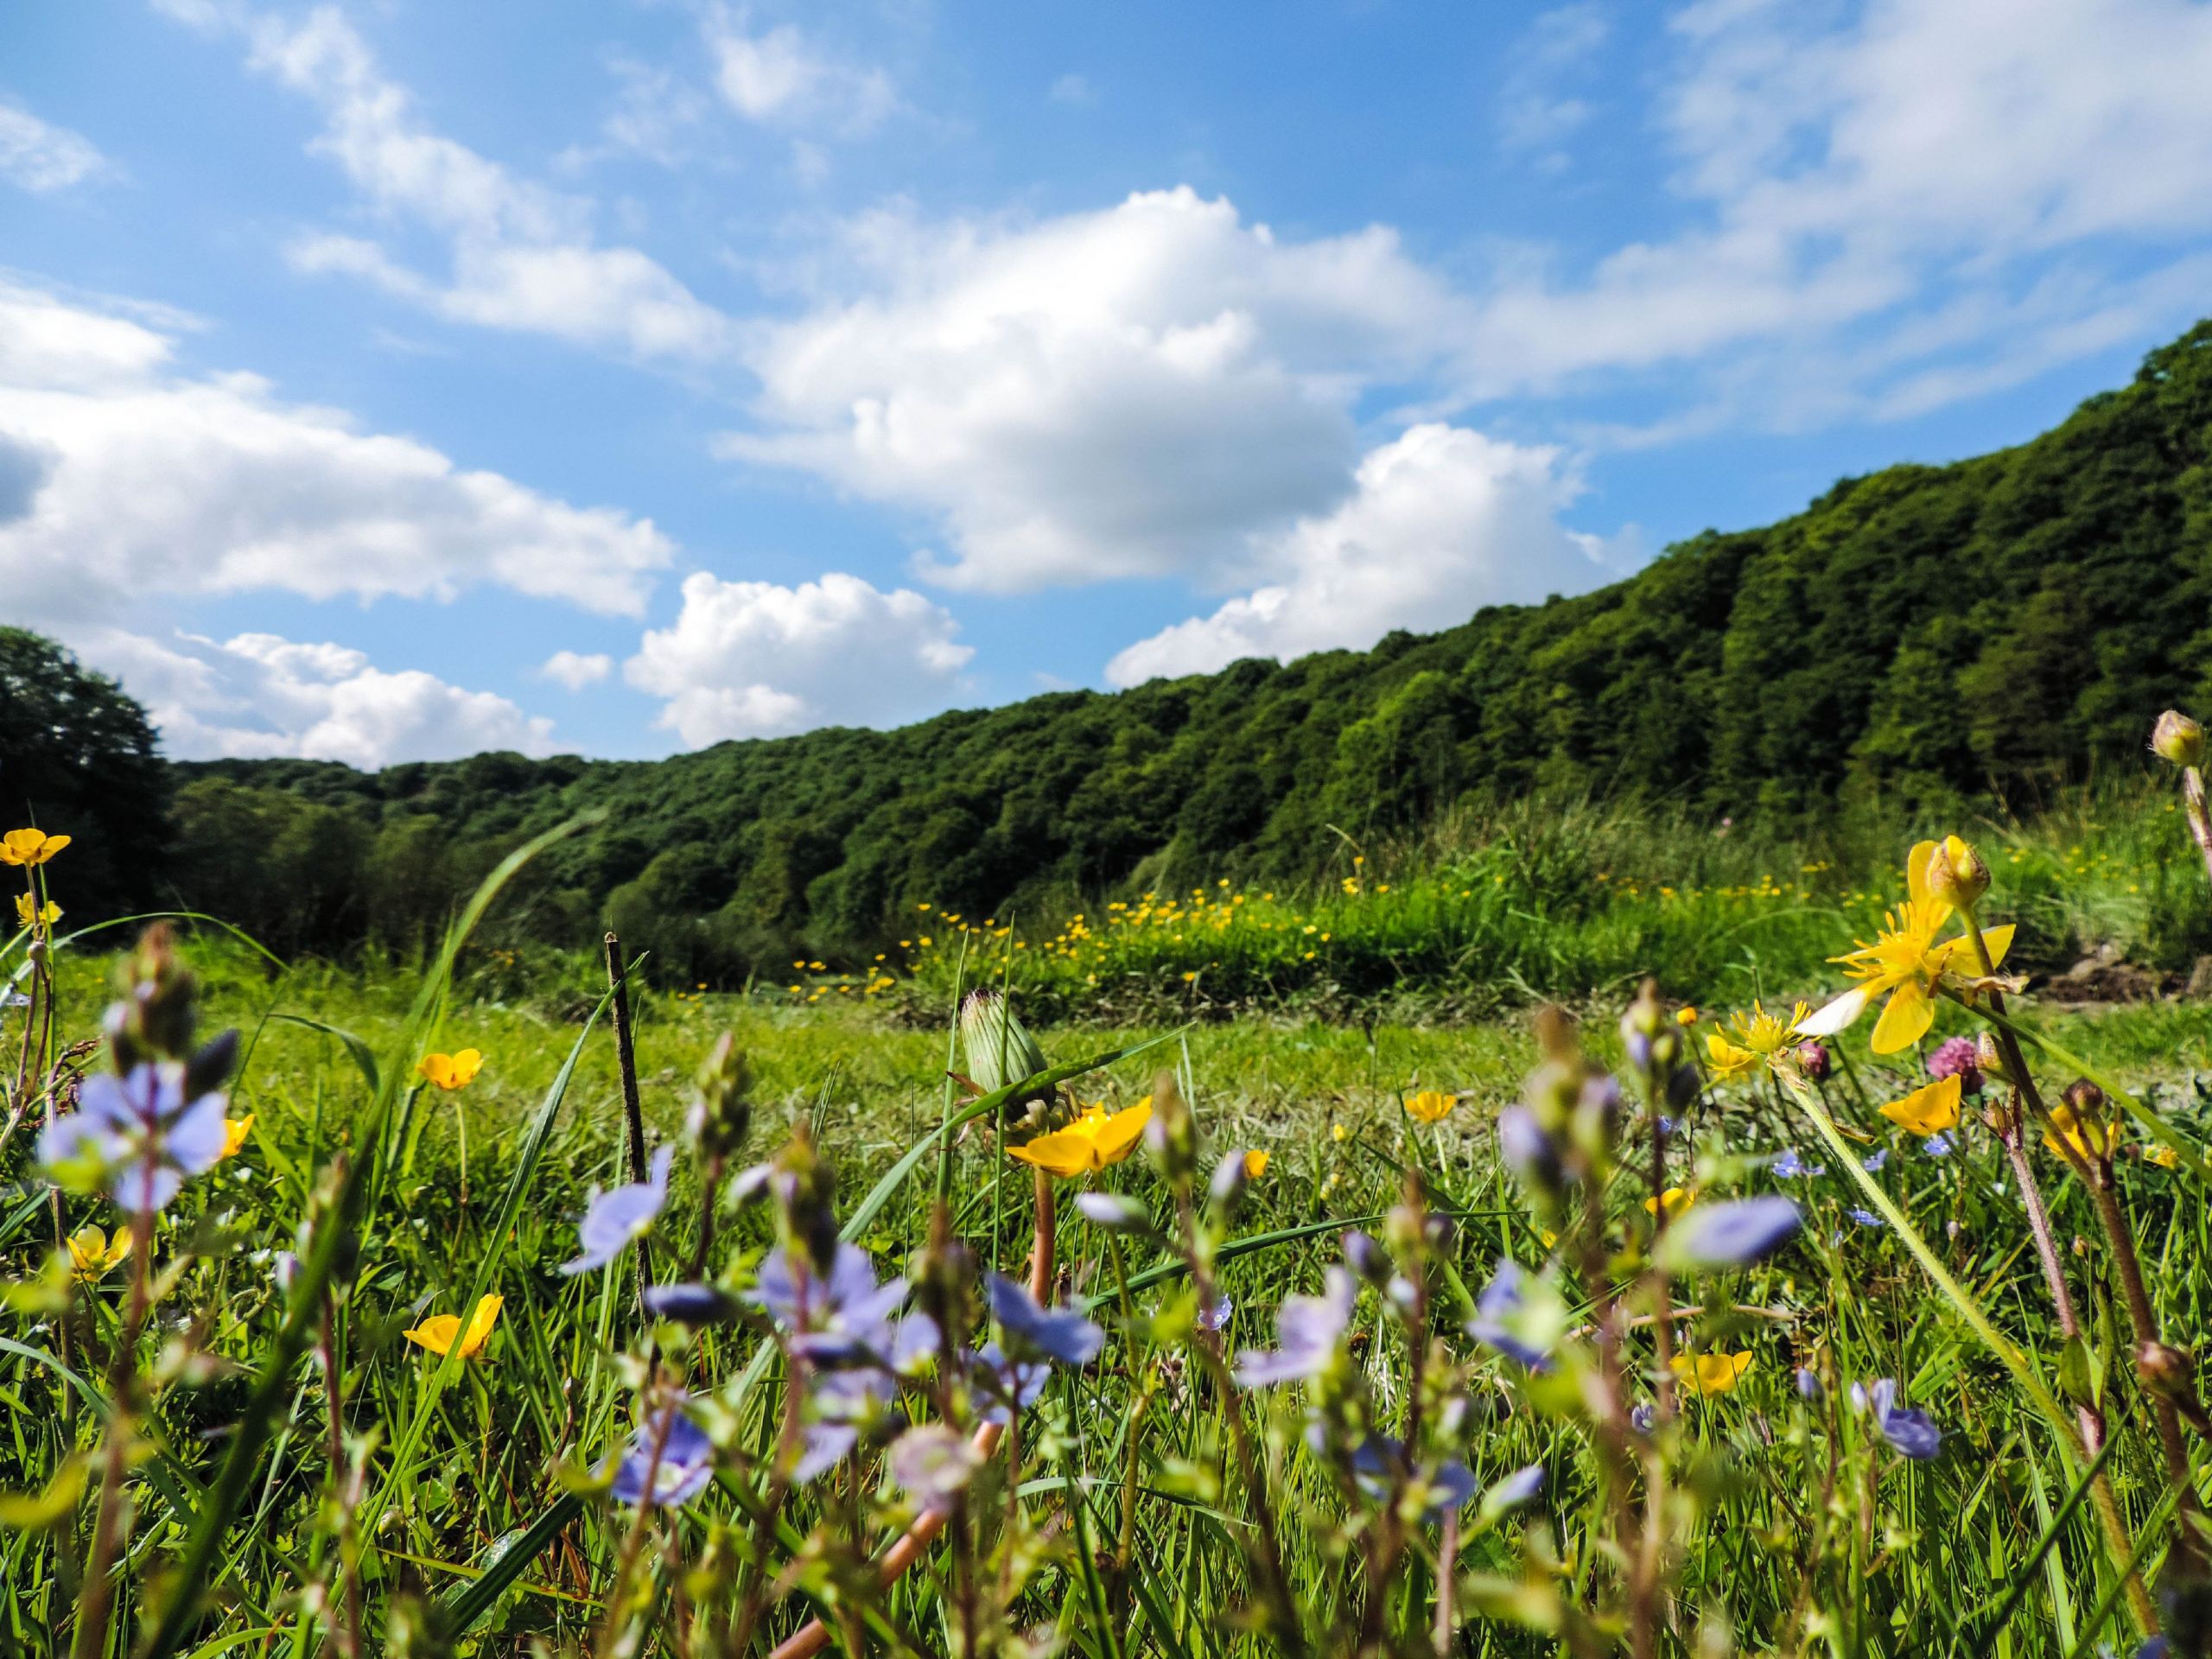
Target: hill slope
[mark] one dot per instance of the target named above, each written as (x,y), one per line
(1989,627)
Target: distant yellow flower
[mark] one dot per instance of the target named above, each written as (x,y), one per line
(1930,1110)
(235,1131)
(1906,962)
(1256,1164)
(23,847)
(1710,1373)
(436,1333)
(2093,1139)
(1685,1016)
(2162,1155)
(30,914)
(92,1252)
(1758,1039)
(1431,1104)
(1676,1200)
(452,1071)
(1095,1139)
(1338,1133)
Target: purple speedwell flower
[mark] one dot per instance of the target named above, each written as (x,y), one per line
(1060,1333)
(1937,1145)
(841,1319)
(1217,1317)
(1866,1218)
(1523,1486)
(1499,1322)
(1641,1418)
(1308,1329)
(1731,1235)
(1809,1385)
(1956,1056)
(145,1136)
(685,1463)
(1874,1161)
(1379,1462)
(1791,1167)
(1909,1431)
(612,1220)
(1009,1385)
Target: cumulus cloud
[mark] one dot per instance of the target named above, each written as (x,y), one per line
(781,76)
(576,670)
(137,482)
(39,156)
(259,694)
(1136,391)
(755,659)
(521,255)
(1443,521)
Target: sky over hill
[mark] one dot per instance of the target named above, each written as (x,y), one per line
(394,381)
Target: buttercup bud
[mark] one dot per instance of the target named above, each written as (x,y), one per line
(2178,739)
(1957,874)
(1989,1059)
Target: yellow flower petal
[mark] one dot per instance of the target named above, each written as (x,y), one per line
(1906,1019)
(436,1333)
(1676,1198)
(1930,1110)
(235,1131)
(1064,1152)
(1710,1373)
(1116,1136)
(1430,1104)
(1256,1164)
(1916,869)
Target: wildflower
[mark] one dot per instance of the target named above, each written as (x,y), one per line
(2177,740)
(613,1219)
(2079,1122)
(1875,1161)
(1256,1164)
(1380,1460)
(1521,1317)
(24,848)
(1012,1385)
(1675,1201)
(1866,1218)
(1642,1418)
(668,1462)
(1938,1145)
(1813,1060)
(1731,1235)
(236,1131)
(1095,1139)
(1790,1167)
(1956,873)
(92,1252)
(1116,1212)
(140,1132)
(1906,963)
(436,1333)
(1308,1329)
(1338,1133)
(1685,1016)
(2164,1156)
(1060,1333)
(1809,1385)
(1759,1039)
(1710,1373)
(1960,1057)
(1430,1104)
(1910,1432)
(30,914)
(690,1304)
(1929,1109)
(1217,1317)
(841,1318)
(1522,1486)
(932,1465)
(451,1071)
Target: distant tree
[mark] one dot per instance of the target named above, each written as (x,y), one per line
(78,758)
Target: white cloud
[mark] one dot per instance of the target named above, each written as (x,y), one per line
(1850,180)
(1074,89)
(781,78)
(146,482)
(1134,392)
(1444,521)
(753,659)
(259,694)
(1537,112)
(521,257)
(576,670)
(41,157)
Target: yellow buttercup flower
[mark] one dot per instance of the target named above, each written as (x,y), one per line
(23,847)
(1676,1200)
(451,1071)
(1431,1104)
(1710,1373)
(1095,1139)
(2092,1139)
(1905,961)
(436,1333)
(1256,1164)
(92,1252)
(1685,1016)
(1339,1132)
(30,914)
(235,1131)
(1758,1039)
(1930,1110)
(2164,1156)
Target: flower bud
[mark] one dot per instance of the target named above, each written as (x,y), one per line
(1813,1060)
(208,1068)
(1229,1177)
(1365,1257)
(2165,1370)
(998,1048)
(720,1111)
(1957,874)
(1117,1212)
(2178,739)
(1170,1136)
(1989,1059)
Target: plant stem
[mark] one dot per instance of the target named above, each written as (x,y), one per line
(633,1117)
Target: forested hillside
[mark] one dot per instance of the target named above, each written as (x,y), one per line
(1991,627)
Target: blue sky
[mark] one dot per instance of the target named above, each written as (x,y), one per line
(385,380)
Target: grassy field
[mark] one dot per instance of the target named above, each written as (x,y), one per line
(256,1457)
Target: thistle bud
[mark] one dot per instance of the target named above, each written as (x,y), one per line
(1957,873)
(2178,739)
(720,1111)
(997,1048)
